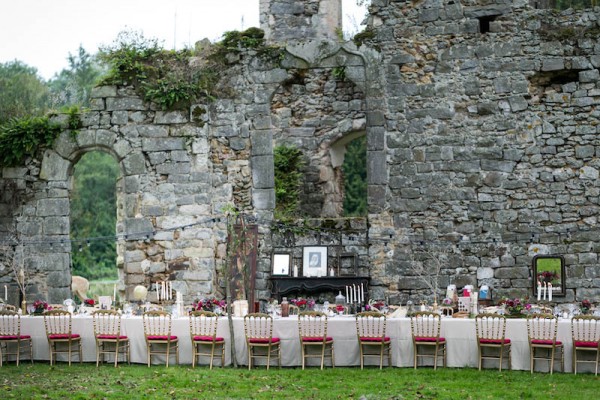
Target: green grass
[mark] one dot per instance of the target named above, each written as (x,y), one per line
(84,381)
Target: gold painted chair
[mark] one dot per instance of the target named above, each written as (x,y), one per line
(585,330)
(312,329)
(159,341)
(60,337)
(203,332)
(258,328)
(490,330)
(10,307)
(294,310)
(426,327)
(109,340)
(10,337)
(543,346)
(371,330)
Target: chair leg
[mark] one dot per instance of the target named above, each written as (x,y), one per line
(322,355)
(381,356)
(332,357)
(479,355)
(361,356)
(302,353)
(148,350)
(268,356)
(249,357)
(116,353)
(415,355)
(501,354)
(531,358)
(552,360)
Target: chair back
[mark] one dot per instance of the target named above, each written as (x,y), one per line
(157,323)
(258,326)
(425,324)
(107,322)
(57,322)
(294,309)
(312,324)
(10,307)
(370,324)
(542,327)
(203,323)
(585,328)
(10,323)
(490,326)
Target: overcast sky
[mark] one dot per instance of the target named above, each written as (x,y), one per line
(42,33)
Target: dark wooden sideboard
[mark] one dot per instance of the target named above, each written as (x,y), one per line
(283,285)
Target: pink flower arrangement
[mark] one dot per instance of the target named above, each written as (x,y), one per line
(515,306)
(209,304)
(303,304)
(40,306)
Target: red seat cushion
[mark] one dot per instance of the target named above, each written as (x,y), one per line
(63,336)
(162,337)
(429,339)
(316,339)
(374,339)
(14,337)
(545,342)
(111,337)
(264,340)
(494,341)
(207,339)
(581,343)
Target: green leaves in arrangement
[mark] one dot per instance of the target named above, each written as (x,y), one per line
(20,138)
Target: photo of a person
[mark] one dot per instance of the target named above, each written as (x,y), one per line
(314,260)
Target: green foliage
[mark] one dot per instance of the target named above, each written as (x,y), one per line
(20,138)
(339,73)
(73,85)
(251,38)
(363,37)
(94,214)
(161,76)
(355,178)
(22,92)
(288,165)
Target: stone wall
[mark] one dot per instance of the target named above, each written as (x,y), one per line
(482,151)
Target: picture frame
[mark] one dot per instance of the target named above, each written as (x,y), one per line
(281,263)
(549,269)
(314,261)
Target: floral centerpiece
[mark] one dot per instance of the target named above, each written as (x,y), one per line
(303,304)
(375,306)
(586,306)
(210,304)
(39,306)
(89,302)
(515,307)
(549,276)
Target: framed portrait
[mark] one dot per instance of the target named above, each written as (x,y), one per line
(281,263)
(314,261)
(549,271)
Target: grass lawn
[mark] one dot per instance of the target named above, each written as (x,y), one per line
(84,381)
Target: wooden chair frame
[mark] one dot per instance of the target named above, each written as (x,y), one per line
(109,340)
(203,333)
(426,328)
(59,333)
(258,328)
(370,331)
(585,331)
(312,330)
(541,335)
(10,336)
(157,332)
(490,330)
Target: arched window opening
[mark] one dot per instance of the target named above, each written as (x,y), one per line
(93,221)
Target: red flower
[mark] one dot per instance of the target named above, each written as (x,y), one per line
(89,302)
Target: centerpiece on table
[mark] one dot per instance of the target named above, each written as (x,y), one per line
(586,307)
(515,308)
(210,304)
(39,306)
(303,304)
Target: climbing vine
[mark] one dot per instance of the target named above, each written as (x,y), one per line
(24,137)
(288,165)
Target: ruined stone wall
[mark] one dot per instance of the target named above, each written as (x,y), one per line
(491,135)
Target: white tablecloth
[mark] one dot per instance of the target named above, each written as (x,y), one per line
(459,334)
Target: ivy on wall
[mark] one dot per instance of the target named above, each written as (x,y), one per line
(23,137)
(288,164)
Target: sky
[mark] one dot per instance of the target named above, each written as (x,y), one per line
(42,33)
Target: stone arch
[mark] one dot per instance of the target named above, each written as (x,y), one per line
(337,152)
(338,75)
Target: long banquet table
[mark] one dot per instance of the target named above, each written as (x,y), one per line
(459,334)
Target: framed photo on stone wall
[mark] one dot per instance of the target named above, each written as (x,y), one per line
(314,261)
(281,263)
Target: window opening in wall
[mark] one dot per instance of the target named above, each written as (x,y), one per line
(484,22)
(288,165)
(353,15)
(94,216)
(355,178)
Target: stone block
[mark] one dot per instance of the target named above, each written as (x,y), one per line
(52,207)
(56,226)
(376,167)
(553,64)
(263,172)
(54,167)
(262,143)
(589,76)
(134,164)
(124,104)
(103,91)
(152,131)
(171,117)
(163,144)
(263,199)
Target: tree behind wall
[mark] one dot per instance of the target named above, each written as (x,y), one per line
(93,215)
(22,92)
(355,178)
